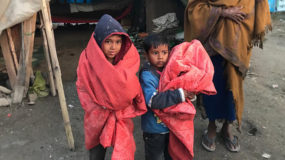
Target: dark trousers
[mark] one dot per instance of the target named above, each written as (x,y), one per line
(156,146)
(97,153)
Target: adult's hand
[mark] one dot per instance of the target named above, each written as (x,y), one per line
(234,13)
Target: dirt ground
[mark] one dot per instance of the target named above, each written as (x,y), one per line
(36,132)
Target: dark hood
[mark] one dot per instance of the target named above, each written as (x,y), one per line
(108,26)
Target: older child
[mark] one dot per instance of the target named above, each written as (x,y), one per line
(155,133)
(109,91)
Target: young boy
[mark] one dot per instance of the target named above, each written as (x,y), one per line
(109,91)
(155,133)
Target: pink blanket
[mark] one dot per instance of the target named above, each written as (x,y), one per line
(110,95)
(189,67)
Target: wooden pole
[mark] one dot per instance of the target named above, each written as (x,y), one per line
(12,48)
(8,58)
(47,55)
(29,36)
(25,63)
(57,72)
(16,37)
(21,74)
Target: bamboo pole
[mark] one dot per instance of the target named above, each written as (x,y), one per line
(57,72)
(47,56)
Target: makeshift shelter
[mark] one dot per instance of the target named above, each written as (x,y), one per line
(88,11)
(17,31)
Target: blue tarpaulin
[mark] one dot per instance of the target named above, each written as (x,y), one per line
(272,5)
(276,5)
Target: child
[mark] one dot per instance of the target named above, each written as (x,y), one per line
(109,91)
(155,133)
(188,70)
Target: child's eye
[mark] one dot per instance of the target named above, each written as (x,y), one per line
(119,42)
(164,52)
(155,53)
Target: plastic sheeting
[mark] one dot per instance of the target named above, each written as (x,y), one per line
(168,20)
(15,11)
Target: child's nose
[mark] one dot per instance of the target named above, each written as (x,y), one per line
(159,55)
(112,46)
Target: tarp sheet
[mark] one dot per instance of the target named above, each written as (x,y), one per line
(15,11)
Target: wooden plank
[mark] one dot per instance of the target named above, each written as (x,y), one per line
(47,56)
(7,55)
(25,62)
(12,48)
(21,74)
(29,36)
(16,38)
(57,72)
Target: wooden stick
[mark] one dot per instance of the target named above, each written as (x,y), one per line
(47,55)
(57,72)
(12,48)
(8,58)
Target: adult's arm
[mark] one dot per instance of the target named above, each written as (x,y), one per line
(200,19)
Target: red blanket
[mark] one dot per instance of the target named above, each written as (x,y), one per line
(110,95)
(189,67)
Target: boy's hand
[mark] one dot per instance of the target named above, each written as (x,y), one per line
(234,13)
(189,95)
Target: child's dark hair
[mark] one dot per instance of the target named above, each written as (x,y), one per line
(154,40)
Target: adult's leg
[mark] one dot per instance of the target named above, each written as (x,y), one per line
(154,146)
(212,129)
(219,106)
(209,137)
(97,153)
(230,140)
(226,130)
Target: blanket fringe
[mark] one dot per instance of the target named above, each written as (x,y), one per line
(259,38)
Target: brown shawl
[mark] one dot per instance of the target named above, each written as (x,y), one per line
(232,41)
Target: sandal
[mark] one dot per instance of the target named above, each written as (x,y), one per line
(208,143)
(232,145)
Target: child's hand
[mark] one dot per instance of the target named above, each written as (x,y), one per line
(189,95)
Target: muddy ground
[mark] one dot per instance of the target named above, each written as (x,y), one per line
(36,132)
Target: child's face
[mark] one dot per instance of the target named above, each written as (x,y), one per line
(111,47)
(158,56)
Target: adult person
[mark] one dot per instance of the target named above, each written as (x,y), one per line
(228,30)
